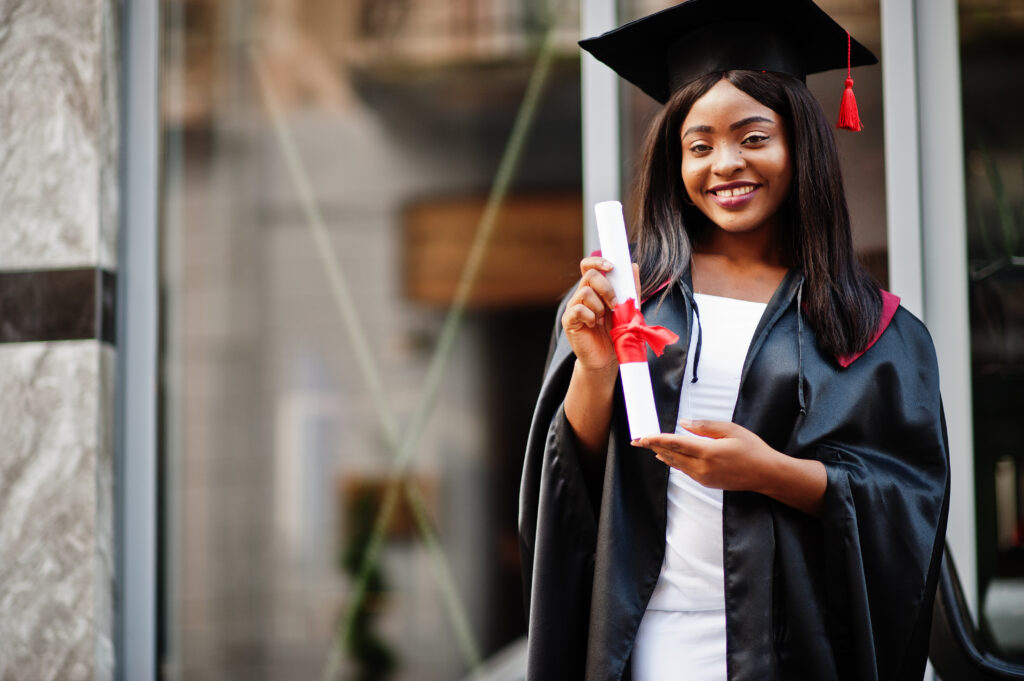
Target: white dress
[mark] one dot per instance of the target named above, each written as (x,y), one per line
(682,634)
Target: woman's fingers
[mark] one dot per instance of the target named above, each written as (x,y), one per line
(685,453)
(712,429)
(709,431)
(595,262)
(579,316)
(585,309)
(667,442)
(594,270)
(595,280)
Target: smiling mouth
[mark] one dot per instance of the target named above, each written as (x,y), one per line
(733,191)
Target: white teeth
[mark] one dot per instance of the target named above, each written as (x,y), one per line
(735,191)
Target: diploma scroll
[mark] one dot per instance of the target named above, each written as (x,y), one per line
(630,334)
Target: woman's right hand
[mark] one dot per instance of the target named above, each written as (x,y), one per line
(587,317)
(588,401)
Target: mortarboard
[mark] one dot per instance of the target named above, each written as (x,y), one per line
(663,51)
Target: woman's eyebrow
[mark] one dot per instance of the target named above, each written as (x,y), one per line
(738,124)
(698,128)
(750,119)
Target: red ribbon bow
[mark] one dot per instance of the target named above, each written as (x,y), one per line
(631,335)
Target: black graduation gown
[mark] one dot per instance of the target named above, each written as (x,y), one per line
(847,596)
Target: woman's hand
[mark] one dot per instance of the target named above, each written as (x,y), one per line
(730,457)
(588,402)
(587,318)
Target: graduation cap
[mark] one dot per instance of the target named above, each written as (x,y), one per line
(664,51)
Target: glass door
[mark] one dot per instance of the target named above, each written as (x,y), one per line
(370,210)
(991,34)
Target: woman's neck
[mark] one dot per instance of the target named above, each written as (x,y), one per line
(757,248)
(747,266)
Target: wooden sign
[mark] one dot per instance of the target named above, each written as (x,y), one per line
(532,256)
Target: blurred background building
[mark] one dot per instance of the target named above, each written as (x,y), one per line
(333,236)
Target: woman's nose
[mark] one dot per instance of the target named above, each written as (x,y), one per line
(728,159)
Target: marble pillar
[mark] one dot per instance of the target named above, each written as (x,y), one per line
(55,511)
(58,193)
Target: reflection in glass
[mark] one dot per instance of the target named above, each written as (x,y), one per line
(990,37)
(330,169)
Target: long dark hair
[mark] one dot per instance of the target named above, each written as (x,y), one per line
(843,301)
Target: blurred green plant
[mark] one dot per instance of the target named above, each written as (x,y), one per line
(997,267)
(373,658)
(999,223)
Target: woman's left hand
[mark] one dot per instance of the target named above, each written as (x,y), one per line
(728,457)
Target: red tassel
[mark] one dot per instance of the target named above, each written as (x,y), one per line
(849,118)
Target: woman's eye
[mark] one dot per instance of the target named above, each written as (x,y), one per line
(699,148)
(755,139)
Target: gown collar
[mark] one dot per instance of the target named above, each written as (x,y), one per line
(680,318)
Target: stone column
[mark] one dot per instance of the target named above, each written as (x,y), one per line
(58,233)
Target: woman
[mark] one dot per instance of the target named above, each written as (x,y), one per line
(799,536)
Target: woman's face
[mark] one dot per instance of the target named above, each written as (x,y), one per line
(736,162)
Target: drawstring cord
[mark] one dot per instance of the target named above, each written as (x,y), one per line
(700,340)
(800,348)
(799,344)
